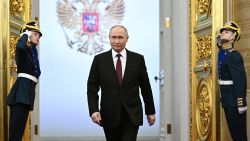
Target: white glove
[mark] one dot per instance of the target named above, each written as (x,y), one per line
(218,40)
(242,109)
(27,32)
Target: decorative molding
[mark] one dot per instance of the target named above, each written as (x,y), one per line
(203,109)
(203,6)
(17,7)
(191,133)
(203,26)
(13,67)
(20,11)
(204,47)
(201,100)
(203,9)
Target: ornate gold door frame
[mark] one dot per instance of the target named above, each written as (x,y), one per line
(13,14)
(4,28)
(205,18)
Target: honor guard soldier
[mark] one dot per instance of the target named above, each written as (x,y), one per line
(232,81)
(22,94)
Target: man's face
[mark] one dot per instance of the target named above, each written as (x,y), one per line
(227,36)
(118,38)
(34,38)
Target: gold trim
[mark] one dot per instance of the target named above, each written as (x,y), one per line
(191,61)
(203,6)
(13,67)
(20,9)
(205,119)
(17,6)
(204,48)
(204,108)
(218,12)
(4,42)
(12,19)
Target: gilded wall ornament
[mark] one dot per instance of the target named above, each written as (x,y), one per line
(203,109)
(204,47)
(13,67)
(203,6)
(13,41)
(17,6)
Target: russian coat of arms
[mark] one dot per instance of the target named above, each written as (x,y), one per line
(86,24)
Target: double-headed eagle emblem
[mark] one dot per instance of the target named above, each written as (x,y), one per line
(86,25)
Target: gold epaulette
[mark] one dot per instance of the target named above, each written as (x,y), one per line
(231,50)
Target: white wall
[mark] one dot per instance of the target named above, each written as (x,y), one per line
(63,103)
(175,63)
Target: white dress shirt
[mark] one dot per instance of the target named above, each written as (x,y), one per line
(123,59)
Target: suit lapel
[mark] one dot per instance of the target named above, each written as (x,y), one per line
(128,64)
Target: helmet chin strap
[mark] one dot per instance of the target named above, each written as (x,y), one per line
(227,40)
(224,41)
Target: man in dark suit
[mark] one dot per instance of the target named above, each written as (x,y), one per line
(119,73)
(22,94)
(232,81)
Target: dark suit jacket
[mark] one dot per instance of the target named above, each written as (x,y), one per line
(114,96)
(23,90)
(232,68)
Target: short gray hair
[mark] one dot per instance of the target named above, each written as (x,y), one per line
(125,29)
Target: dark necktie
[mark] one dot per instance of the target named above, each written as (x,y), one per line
(119,68)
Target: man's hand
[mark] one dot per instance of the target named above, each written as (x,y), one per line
(151,119)
(96,118)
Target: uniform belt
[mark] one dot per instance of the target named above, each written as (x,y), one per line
(33,78)
(226,82)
